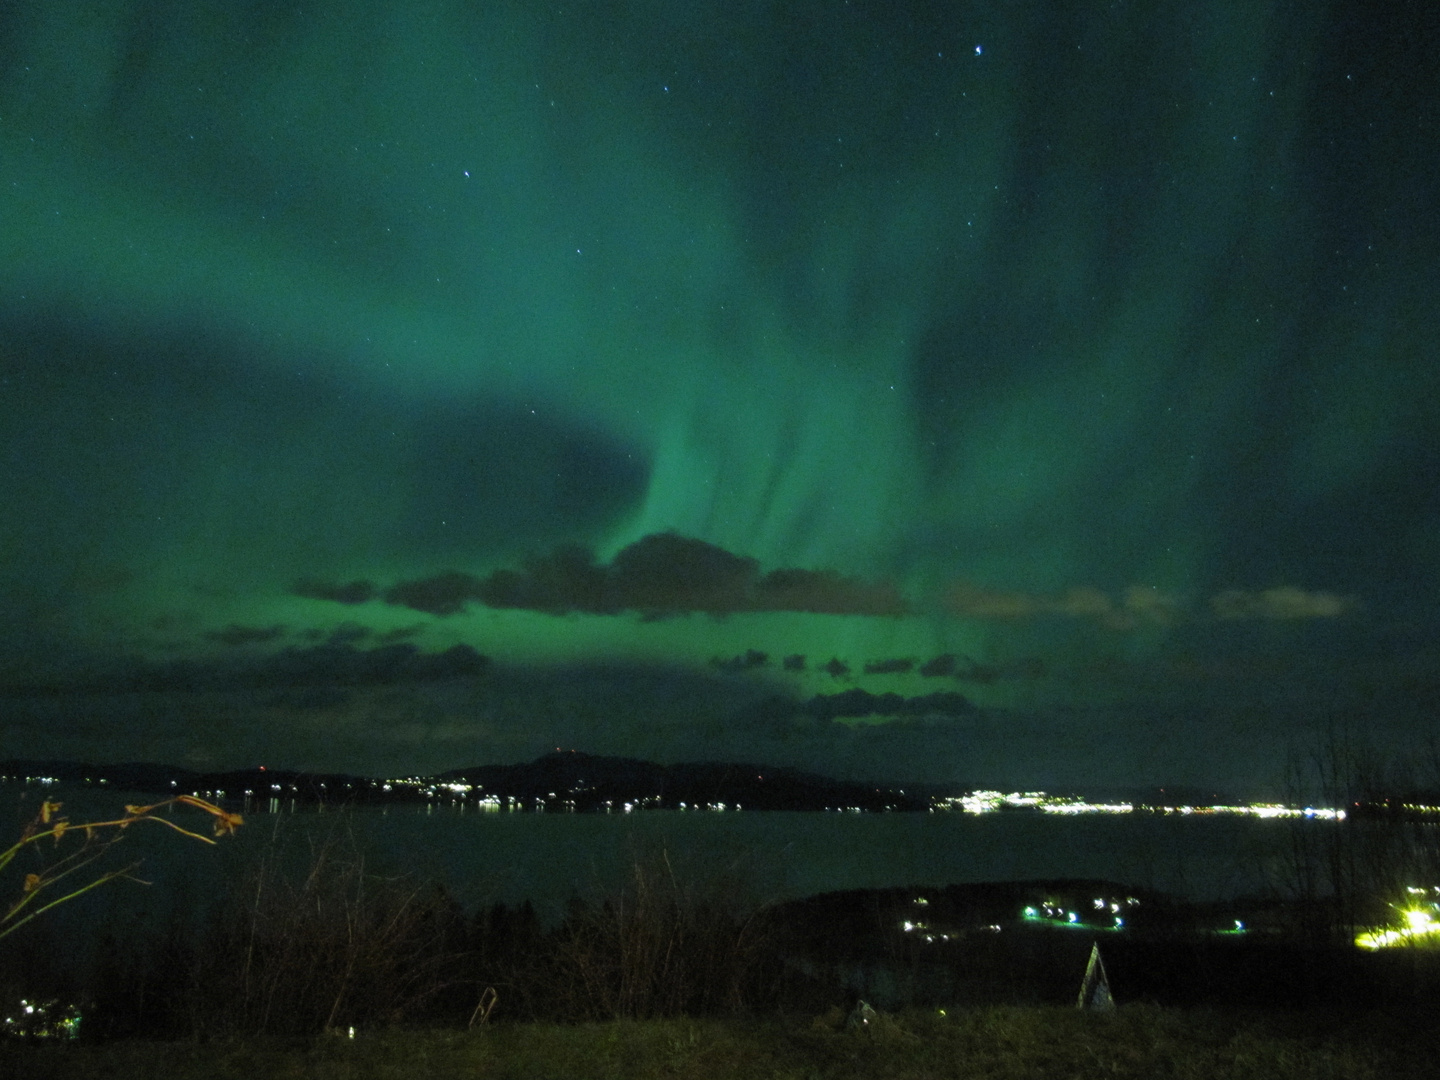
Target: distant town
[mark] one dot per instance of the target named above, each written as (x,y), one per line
(575,782)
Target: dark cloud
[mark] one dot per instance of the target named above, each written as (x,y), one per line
(443,594)
(329,665)
(349,633)
(752,659)
(666,572)
(889,667)
(853,704)
(244,635)
(984,674)
(942,665)
(661,574)
(824,592)
(859,703)
(949,665)
(1025,667)
(567,579)
(352,592)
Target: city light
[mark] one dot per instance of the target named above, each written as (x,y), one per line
(989,801)
(1419,925)
(459,793)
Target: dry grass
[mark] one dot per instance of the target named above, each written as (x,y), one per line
(996,1044)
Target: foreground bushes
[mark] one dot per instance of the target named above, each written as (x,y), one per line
(335,945)
(660,948)
(310,938)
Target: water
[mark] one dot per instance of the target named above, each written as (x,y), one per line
(486,858)
(783,855)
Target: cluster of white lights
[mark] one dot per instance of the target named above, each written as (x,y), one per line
(1104,906)
(1261,810)
(985,802)
(973,802)
(925,933)
(1079,807)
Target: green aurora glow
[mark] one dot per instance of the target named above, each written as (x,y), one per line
(1103,339)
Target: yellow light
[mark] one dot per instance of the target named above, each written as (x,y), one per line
(1418,924)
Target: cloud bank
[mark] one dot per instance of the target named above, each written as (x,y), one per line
(658,575)
(667,574)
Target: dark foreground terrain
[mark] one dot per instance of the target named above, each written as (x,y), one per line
(1028,943)
(1137,1041)
(336,972)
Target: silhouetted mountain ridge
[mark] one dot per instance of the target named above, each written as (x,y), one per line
(594,781)
(562,780)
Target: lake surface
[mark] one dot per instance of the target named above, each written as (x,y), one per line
(548,858)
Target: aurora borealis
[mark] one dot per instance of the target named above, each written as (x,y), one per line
(408,386)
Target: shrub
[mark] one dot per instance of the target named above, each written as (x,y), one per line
(658,948)
(331,947)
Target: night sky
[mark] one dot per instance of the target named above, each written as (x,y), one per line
(1017,394)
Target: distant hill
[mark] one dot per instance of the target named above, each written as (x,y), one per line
(564,780)
(559,781)
(593,782)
